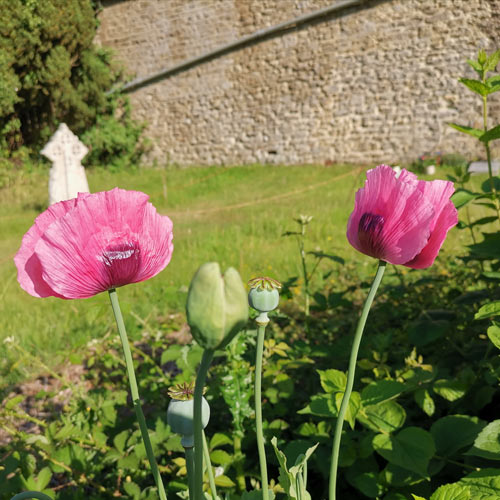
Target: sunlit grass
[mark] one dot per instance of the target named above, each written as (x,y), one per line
(235,216)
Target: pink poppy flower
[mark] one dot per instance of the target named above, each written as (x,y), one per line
(92,243)
(401,220)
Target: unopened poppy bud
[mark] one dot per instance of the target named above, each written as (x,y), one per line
(181,421)
(264,295)
(217,307)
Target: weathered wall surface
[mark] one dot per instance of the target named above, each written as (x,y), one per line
(375,84)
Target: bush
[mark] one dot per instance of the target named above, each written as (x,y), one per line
(51,72)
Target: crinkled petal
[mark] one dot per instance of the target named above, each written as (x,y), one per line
(391,218)
(438,193)
(29,269)
(113,238)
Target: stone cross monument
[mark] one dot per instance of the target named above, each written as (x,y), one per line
(67,176)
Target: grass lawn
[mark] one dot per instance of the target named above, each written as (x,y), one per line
(235,216)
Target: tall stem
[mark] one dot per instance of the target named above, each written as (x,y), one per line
(350,378)
(210,472)
(262,321)
(206,359)
(190,470)
(239,457)
(488,157)
(135,393)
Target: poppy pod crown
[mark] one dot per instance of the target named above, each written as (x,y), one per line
(401,220)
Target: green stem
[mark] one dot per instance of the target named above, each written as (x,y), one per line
(208,354)
(262,321)
(31,494)
(350,378)
(488,155)
(190,470)
(239,457)
(211,478)
(135,393)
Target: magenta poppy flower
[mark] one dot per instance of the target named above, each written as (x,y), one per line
(401,220)
(92,243)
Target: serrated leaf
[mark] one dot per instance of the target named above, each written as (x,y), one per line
(454,432)
(483,484)
(224,482)
(13,402)
(492,61)
(412,448)
(476,86)
(491,134)
(384,417)
(488,310)
(475,132)
(451,492)
(451,390)
(332,380)
(425,401)
(380,391)
(487,443)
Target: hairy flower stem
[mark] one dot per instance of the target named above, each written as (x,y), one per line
(190,470)
(262,321)
(350,378)
(135,393)
(210,472)
(31,494)
(208,355)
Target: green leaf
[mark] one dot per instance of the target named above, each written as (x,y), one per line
(492,61)
(332,380)
(475,132)
(451,492)
(43,478)
(494,335)
(451,390)
(13,402)
(366,482)
(384,417)
(488,310)
(476,66)
(132,489)
(416,497)
(487,444)
(427,330)
(224,482)
(397,476)
(454,432)
(221,457)
(463,196)
(483,484)
(412,448)
(255,495)
(494,83)
(491,134)
(476,86)
(489,248)
(321,405)
(425,401)
(493,275)
(380,391)
(352,408)
(219,439)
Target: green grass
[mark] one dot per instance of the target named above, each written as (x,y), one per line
(235,216)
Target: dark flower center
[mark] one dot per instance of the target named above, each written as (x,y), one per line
(370,234)
(122,262)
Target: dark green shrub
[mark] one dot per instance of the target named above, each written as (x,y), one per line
(51,72)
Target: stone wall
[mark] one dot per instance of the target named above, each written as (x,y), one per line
(376,83)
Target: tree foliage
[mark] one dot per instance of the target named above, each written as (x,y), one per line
(51,72)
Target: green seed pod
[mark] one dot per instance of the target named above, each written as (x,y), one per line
(217,306)
(180,419)
(264,295)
